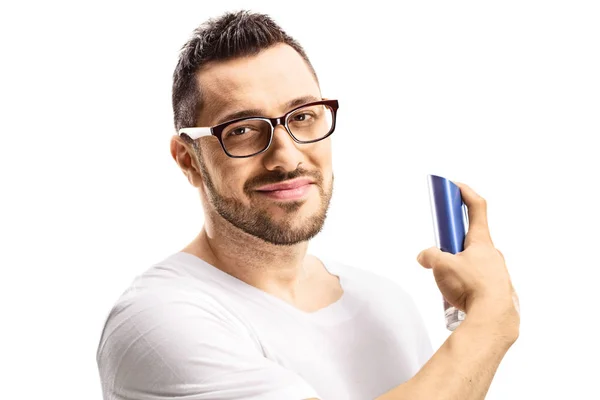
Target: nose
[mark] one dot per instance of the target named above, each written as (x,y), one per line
(283,154)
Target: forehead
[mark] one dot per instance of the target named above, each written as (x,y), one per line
(266,81)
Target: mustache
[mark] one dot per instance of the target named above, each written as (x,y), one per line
(278,176)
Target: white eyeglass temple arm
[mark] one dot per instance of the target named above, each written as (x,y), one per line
(195,133)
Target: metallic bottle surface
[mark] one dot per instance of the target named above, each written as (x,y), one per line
(450,224)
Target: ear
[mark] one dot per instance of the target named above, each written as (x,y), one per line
(184,155)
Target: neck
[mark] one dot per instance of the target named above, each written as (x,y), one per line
(273,268)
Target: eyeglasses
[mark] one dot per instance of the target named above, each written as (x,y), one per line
(247,137)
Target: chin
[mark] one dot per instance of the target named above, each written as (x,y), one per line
(307,206)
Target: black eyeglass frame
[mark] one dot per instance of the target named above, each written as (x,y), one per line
(217,130)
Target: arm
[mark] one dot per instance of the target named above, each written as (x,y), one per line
(463,367)
(476,281)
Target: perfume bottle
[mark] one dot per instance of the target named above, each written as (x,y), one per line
(450,224)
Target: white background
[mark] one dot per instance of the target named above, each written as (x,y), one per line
(504,96)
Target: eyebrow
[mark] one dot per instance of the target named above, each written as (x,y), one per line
(257,112)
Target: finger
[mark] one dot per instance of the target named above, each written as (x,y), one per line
(477,210)
(434,257)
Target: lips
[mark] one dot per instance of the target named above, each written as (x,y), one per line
(297,190)
(289,185)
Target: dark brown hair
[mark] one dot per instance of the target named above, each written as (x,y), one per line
(234,34)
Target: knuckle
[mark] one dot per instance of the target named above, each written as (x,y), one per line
(482,202)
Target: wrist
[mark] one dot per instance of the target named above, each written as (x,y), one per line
(499,318)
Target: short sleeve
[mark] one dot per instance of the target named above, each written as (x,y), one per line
(163,346)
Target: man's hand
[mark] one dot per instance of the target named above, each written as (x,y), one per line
(476,280)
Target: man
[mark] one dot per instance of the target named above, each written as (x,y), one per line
(243,312)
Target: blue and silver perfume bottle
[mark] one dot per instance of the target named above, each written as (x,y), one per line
(450,224)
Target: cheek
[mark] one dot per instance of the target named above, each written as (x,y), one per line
(221,170)
(321,158)
(227,181)
(229,177)
(233,182)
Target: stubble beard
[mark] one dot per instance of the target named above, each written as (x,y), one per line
(258,222)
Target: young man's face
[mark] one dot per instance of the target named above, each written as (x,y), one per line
(269,83)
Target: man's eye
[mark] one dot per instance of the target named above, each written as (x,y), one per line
(241,131)
(238,131)
(302,117)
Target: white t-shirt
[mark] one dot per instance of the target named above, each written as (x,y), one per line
(187,330)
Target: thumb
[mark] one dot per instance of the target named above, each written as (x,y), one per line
(432,257)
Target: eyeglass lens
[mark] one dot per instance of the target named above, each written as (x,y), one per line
(252,136)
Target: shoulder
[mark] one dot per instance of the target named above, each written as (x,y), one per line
(169,338)
(161,327)
(165,305)
(173,282)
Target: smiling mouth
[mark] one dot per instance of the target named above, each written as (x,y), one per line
(287,185)
(296,191)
